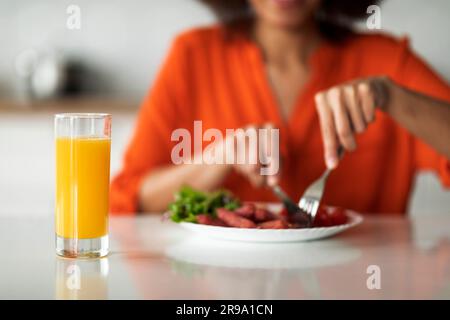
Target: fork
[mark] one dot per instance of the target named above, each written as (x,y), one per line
(310,200)
(292,208)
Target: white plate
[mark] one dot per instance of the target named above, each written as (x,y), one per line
(271,235)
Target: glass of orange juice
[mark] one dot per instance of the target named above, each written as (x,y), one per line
(83,143)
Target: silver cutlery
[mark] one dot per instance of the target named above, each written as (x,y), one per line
(297,214)
(310,200)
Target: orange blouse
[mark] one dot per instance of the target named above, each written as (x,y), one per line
(219,78)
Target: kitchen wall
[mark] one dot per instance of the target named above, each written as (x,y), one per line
(115,32)
(124,43)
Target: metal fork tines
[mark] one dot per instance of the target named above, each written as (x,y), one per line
(310,200)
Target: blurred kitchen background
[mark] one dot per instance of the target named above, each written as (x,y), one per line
(109,64)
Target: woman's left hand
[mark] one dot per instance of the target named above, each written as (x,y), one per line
(348,109)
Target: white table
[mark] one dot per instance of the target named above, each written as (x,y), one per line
(151,259)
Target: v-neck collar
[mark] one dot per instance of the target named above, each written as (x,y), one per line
(320,61)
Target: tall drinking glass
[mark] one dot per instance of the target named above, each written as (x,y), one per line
(83,143)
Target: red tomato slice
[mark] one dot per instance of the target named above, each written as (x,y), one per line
(322,218)
(338,216)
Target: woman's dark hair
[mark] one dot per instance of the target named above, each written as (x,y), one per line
(335,17)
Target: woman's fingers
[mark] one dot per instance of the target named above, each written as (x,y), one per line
(246,155)
(270,154)
(353,104)
(259,155)
(367,99)
(255,178)
(328,130)
(336,100)
(345,110)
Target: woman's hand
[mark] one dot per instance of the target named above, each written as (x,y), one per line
(261,155)
(347,109)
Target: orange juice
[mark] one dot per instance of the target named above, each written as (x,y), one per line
(82,187)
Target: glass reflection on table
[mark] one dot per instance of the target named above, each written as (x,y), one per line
(81,279)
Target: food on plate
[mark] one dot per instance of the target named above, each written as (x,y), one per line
(247,210)
(274,224)
(327,217)
(262,215)
(190,203)
(232,219)
(338,216)
(210,220)
(222,209)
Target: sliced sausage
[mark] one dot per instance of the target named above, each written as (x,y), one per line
(274,224)
(234,220)
(247,210)
(262,215)
(210,221)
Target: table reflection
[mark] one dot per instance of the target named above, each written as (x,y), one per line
(166,262)
(273,269)
(78,279)
(302,255)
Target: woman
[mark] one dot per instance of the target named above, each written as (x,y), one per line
(293,64)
